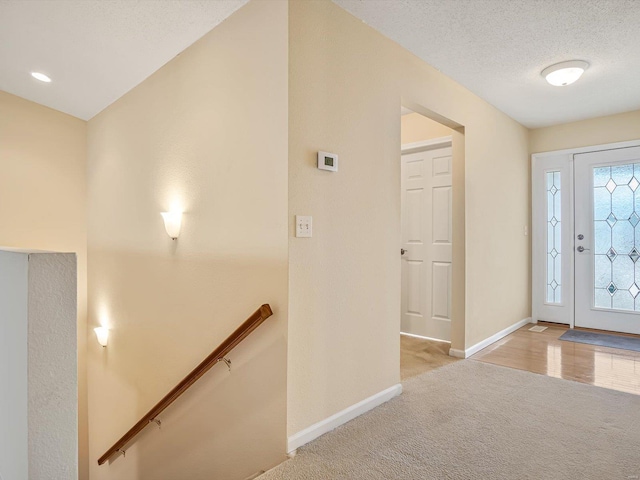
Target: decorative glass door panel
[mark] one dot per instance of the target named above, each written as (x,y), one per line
(615,220)
(554,237)
(607,240)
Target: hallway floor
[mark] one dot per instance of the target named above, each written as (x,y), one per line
(499,403)
(474,420)
(545,354)
(418,356)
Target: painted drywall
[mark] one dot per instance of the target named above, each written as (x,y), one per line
(207,133)
(52,361)
(596,131)
(43,202)
(418,128)
(14,463)
(346,85)
(38,368)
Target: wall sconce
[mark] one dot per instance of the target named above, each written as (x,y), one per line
(102,334)
(172,223)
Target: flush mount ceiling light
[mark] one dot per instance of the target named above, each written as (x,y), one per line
(565,73)
(41,76)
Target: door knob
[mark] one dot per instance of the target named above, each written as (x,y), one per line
(582,249)
(402,251)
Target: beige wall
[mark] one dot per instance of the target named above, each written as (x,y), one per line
(208,132)
(43,201)
(346,85)
(595,131)
(417,128)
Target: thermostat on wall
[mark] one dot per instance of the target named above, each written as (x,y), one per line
(328,161)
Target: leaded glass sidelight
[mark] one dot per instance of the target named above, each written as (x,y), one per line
(554,243)
(616,215)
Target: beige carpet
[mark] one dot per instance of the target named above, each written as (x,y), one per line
(472,420)
(418,356)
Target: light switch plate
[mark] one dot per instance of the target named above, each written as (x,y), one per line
(304,226)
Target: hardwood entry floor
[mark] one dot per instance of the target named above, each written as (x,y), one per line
(543,353)
(418,355)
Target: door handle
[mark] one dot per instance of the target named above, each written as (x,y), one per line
(402,251)
(582,249)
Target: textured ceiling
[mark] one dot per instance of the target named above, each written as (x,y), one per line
(96,50)
(497,49)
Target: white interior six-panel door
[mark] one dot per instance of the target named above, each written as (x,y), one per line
(427,243)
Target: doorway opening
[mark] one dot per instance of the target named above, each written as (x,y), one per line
(426,173)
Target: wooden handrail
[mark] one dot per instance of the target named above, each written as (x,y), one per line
(217,355)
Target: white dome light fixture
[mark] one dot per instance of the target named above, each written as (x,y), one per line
(565,73)
(41,76)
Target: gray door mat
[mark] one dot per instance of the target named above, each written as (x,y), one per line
(602,339)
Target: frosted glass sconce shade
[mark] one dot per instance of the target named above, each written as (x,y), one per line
(172,223)
(102,334)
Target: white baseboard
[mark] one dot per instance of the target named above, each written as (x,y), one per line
(314,431)
(488,341)
(454,352)
(423,337)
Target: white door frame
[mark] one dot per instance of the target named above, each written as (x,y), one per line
(432,144)
(562,161)
(422,146)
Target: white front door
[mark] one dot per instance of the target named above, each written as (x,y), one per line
(607,240)
(426,243)
(586,237)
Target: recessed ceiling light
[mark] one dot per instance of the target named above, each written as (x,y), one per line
(565,73)
(40,76)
